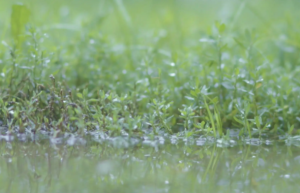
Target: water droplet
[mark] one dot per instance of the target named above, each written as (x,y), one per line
(241,60)
(206,40)
(92,41)
(286,176)
(47,61)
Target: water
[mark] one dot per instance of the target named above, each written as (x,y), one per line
(148,167)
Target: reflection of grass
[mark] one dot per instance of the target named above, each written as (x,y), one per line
(138,68)
(30,167)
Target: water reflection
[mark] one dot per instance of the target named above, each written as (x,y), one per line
(46,167)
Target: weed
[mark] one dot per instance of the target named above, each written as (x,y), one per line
(108,70)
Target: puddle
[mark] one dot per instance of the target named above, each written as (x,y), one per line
(147,166)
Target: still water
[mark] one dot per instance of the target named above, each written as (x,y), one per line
(148,166)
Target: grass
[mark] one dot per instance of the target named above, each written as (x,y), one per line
(147,68)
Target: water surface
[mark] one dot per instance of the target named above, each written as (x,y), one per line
(148,166)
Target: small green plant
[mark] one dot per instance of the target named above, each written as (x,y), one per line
(110,71)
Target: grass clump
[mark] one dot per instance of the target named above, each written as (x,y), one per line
(120,69)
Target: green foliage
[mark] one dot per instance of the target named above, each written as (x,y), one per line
(119,69)
(19,17)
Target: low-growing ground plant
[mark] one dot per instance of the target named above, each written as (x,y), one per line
(109,71)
